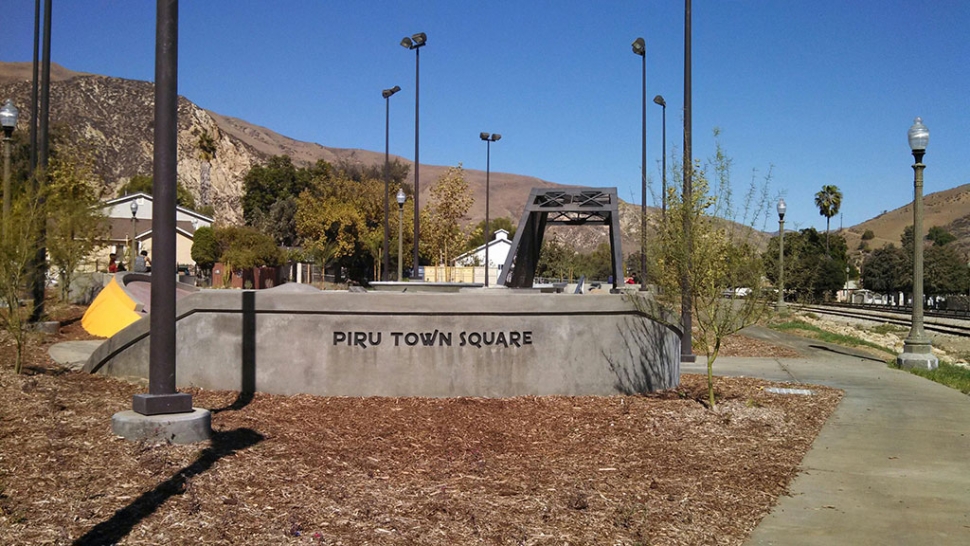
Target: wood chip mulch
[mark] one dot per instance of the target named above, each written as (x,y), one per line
(658,469)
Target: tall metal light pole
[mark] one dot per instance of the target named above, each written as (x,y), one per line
(640,48)
(8,119)
(387,93)
(416,42)
(164,412)
(162,397)
(686,345)
(38,282)
(780,306)
(489,139)
(400,233)
(917,350)
(663,176)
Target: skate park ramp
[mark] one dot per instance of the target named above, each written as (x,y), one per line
(125,299)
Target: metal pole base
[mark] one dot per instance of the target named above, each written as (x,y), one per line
(177,428)
(917,355)
(157,404)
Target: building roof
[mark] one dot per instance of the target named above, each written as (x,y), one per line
(120,225)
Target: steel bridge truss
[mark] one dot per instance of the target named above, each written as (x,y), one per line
(568,207)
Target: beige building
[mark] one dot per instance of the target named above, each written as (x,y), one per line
(130,217)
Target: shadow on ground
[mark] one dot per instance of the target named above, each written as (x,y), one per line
(124,520)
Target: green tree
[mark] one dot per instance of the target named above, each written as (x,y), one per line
(868,235)
(17,251)
(447,207)
(945,271)
(277,181)
(337,218)
(205,249)
(714,257)
(811,272)
(940,236)
(886,270)
(244,247)
(76,222)
(555,260)
(828,201)
(597,265)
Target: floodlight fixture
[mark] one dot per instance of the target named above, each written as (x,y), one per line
(639,47)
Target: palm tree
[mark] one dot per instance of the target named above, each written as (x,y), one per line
(828,202)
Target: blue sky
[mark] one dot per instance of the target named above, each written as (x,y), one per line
(824,91)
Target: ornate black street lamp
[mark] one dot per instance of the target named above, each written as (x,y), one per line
(416,42)
(8,119)
(387,93)
(134,233)
(780,306)
(917,350)
(489,139)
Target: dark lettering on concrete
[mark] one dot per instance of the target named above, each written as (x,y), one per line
(487,338)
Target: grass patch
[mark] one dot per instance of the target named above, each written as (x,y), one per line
(887,329)
(814,332)
(955,377)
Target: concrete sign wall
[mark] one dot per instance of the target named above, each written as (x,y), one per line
(478,343)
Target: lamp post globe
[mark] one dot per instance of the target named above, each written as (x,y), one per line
(917,350)
(8,119)
(780,305)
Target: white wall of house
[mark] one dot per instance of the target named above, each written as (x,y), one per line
(122,226)
(498,250)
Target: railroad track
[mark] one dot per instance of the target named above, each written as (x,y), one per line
(946,323)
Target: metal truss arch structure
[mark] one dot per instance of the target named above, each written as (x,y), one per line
(567,207)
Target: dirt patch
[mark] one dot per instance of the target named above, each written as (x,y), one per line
(659,469)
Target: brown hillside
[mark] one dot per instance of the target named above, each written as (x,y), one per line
(23,72)
(949,209)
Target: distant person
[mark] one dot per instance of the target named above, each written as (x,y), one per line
(112,263)
(142,263)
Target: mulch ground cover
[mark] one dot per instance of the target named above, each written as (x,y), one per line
(657,469)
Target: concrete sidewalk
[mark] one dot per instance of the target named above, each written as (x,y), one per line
(892,464)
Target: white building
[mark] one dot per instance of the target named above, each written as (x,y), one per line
(131,216)
(498,250)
